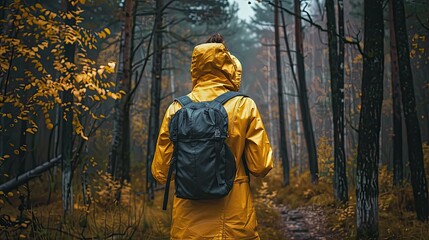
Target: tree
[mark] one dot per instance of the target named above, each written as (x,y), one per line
(119,162)
(396,99)
(155,97)
(67,118)
(415,152)
(369,123)
(283,144)
(303,97)
(336,61)
(53,79)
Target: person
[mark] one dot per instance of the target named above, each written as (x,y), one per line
(213,72)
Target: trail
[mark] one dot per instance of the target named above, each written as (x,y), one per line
(305,223)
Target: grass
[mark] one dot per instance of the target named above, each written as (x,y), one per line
(102,217)
(397,218)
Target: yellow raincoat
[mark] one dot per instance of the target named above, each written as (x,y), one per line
(214,71)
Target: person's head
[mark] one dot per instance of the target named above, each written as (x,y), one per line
(212,63)
(216,38)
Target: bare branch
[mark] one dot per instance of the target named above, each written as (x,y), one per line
(421,23)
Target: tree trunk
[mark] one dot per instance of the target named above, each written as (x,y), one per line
(342,162)
(119,165)
(67,125)
(283,144)
(294,153)
(21,179)
(369,122)
(398,174)
(415,152)
(336,60)
(126,83)
(155,99)
(305,108)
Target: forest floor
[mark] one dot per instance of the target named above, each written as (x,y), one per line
(292,221)
(305,223)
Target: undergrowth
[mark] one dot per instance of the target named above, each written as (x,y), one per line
(97,213)
(397,219)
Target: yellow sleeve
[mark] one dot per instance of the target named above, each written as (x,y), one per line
(164,148)
(257,150)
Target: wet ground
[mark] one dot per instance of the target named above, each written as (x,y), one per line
(306,223)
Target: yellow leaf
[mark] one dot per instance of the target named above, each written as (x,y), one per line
(111,64)
(112,95)
(22,235)
(6,156)
(100,72)
(107,31)
(10,194)
(38,5)
(29,130)
(50,126)
(102,35)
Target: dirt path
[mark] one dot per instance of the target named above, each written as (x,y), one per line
(305,223)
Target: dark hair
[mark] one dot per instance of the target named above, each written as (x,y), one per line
(216,38)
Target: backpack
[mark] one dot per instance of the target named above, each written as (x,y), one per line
(203,164)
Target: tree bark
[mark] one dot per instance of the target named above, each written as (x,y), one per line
(342,162)
(127,79)
(336,61)
(369,122)
(283,144)
(303,97)
(396,106)
(21,179)
(119,165)
(415,152)
(155,99)
(67,124)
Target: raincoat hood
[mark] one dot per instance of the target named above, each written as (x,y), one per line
(213,67)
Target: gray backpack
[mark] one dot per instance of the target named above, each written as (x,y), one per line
(203,165)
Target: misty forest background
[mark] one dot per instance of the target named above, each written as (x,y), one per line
(342,87)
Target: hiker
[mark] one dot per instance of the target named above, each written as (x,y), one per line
(214,72)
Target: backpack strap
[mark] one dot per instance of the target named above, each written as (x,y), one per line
(167,184)
(171,167)
(183,100)
(225,97)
